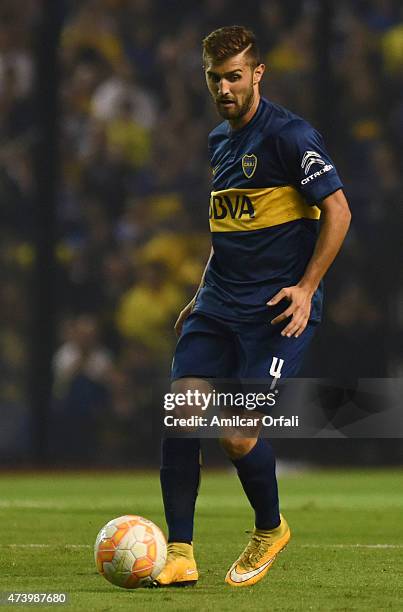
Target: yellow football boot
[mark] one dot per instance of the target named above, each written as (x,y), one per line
(180,568)
(259,555)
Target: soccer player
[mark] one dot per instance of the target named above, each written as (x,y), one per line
(260,297)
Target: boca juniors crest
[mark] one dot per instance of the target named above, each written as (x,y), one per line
(249,163)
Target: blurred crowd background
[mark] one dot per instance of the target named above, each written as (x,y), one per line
(132,211)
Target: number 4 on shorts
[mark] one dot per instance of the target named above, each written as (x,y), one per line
(275,370)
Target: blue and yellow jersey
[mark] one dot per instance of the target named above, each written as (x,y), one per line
(267,179)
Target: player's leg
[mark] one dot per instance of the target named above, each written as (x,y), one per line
(180,469)
(254,458)
(254,461)
(202,352)
(180,479)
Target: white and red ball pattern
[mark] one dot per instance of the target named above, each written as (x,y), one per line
(130,551)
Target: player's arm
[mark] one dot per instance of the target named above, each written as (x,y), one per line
(183,315)
(335,221)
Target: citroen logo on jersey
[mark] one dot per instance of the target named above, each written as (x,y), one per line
(249,165)
(309,159)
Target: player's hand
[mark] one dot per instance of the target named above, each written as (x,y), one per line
(183,316)
(299,309)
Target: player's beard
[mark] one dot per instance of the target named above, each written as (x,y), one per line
(234,111)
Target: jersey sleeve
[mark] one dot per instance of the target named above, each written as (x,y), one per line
(306,162)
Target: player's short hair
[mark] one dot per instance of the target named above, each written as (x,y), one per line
(229,41)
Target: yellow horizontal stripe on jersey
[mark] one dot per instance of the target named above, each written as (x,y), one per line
(237,210)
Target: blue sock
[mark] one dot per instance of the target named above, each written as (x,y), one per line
(257,473)
(180,477)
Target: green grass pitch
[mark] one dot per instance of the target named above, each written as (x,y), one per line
(345,553)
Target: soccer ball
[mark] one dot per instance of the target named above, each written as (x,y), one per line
(130,551)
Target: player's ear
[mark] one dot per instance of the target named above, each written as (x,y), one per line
(258,73)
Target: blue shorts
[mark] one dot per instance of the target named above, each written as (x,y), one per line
(214,348)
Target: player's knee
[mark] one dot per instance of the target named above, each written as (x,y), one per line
(236,447)
(186,403)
